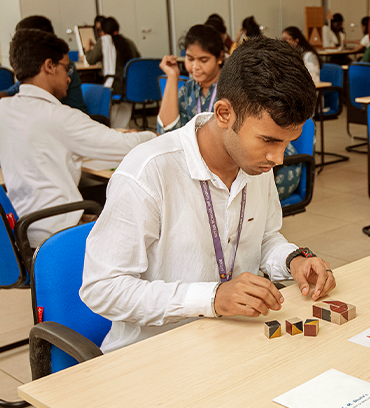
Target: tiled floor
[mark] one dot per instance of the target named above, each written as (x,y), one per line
(331,226)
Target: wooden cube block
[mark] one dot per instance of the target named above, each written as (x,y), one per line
(334,311)
(272,329)
(311,327)
(294,326)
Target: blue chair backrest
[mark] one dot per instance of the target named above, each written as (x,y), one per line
(57,270)
(358,82)
(6,204)
(141,80)
(11,268)
(6,78)
(304,145)
(163,81)
(73,55)
(97,99)
(331,73)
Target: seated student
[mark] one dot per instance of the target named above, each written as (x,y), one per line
(334,35)
(113,51)
(192,216)
(74,97)
(43,142)
(219,26)
(203,60)
(97,26)
(249,29)
(364,43)
(227,41)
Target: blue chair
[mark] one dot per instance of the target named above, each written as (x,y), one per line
(61,318)
(162,80)
(358,86)
(141,86)
(98,101)
(73,55)
(366,229)
(298,201)
(331,100)
(6,78)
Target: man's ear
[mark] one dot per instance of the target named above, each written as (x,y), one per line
(223,113)
(48,66)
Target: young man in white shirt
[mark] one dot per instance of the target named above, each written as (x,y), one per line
(192,216)
(43,142)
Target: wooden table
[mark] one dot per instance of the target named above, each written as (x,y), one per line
(225,362)
(100,174)
(88,73)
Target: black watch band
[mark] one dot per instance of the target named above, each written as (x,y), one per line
(306,252)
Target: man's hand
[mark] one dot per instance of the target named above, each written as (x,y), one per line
(247,295)
(315,271)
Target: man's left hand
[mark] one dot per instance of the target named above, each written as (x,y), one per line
(315,271)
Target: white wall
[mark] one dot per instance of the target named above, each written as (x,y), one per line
(10,15)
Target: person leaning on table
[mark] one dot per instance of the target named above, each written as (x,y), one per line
(43,142)
(151,262)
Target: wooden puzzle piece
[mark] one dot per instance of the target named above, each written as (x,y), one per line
(272,329)
(311,327)
(334,311)
(294,326)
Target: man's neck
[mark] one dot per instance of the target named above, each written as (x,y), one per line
(214,154)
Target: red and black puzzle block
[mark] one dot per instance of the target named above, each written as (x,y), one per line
(272,329)
(311,327)
(294,326)
(334,311)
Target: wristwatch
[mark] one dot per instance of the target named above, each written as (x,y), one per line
(306,252)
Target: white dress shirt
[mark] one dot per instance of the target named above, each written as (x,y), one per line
(150,261)
(42,146)
(329,38)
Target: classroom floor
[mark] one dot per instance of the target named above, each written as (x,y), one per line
(331,227)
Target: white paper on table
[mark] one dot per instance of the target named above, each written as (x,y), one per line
(363,339)
(98,165)
(331,389)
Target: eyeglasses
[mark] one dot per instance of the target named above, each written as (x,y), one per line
(69,68)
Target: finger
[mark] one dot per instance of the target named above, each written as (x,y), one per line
(260,282)
(329,285)
(321,273)
(302,283)
(262,299)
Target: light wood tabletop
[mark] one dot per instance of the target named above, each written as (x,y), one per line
(81,66)
(219,362)
(363,99)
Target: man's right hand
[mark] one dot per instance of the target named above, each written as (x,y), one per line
(247,295)
(169,66)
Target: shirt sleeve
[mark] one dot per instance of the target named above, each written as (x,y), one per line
(95,54)
(88,138)
(116,260)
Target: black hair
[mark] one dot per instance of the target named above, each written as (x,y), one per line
(110,26)
(217,24)
(365,23)
(207,37)
(337,18)
(296,33)
(216,17)
(36,22)
(265,74)
(30,48)
(98,19)
(251,27)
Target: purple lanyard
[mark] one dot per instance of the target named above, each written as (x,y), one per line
(199,109)
(214,230)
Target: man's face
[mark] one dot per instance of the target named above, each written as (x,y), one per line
(259,144)
(61,79)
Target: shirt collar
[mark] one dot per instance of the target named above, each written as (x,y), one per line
(198,169)
(33,91)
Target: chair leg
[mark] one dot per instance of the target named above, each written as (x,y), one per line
(353,148)
(16,404)
(14,345)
